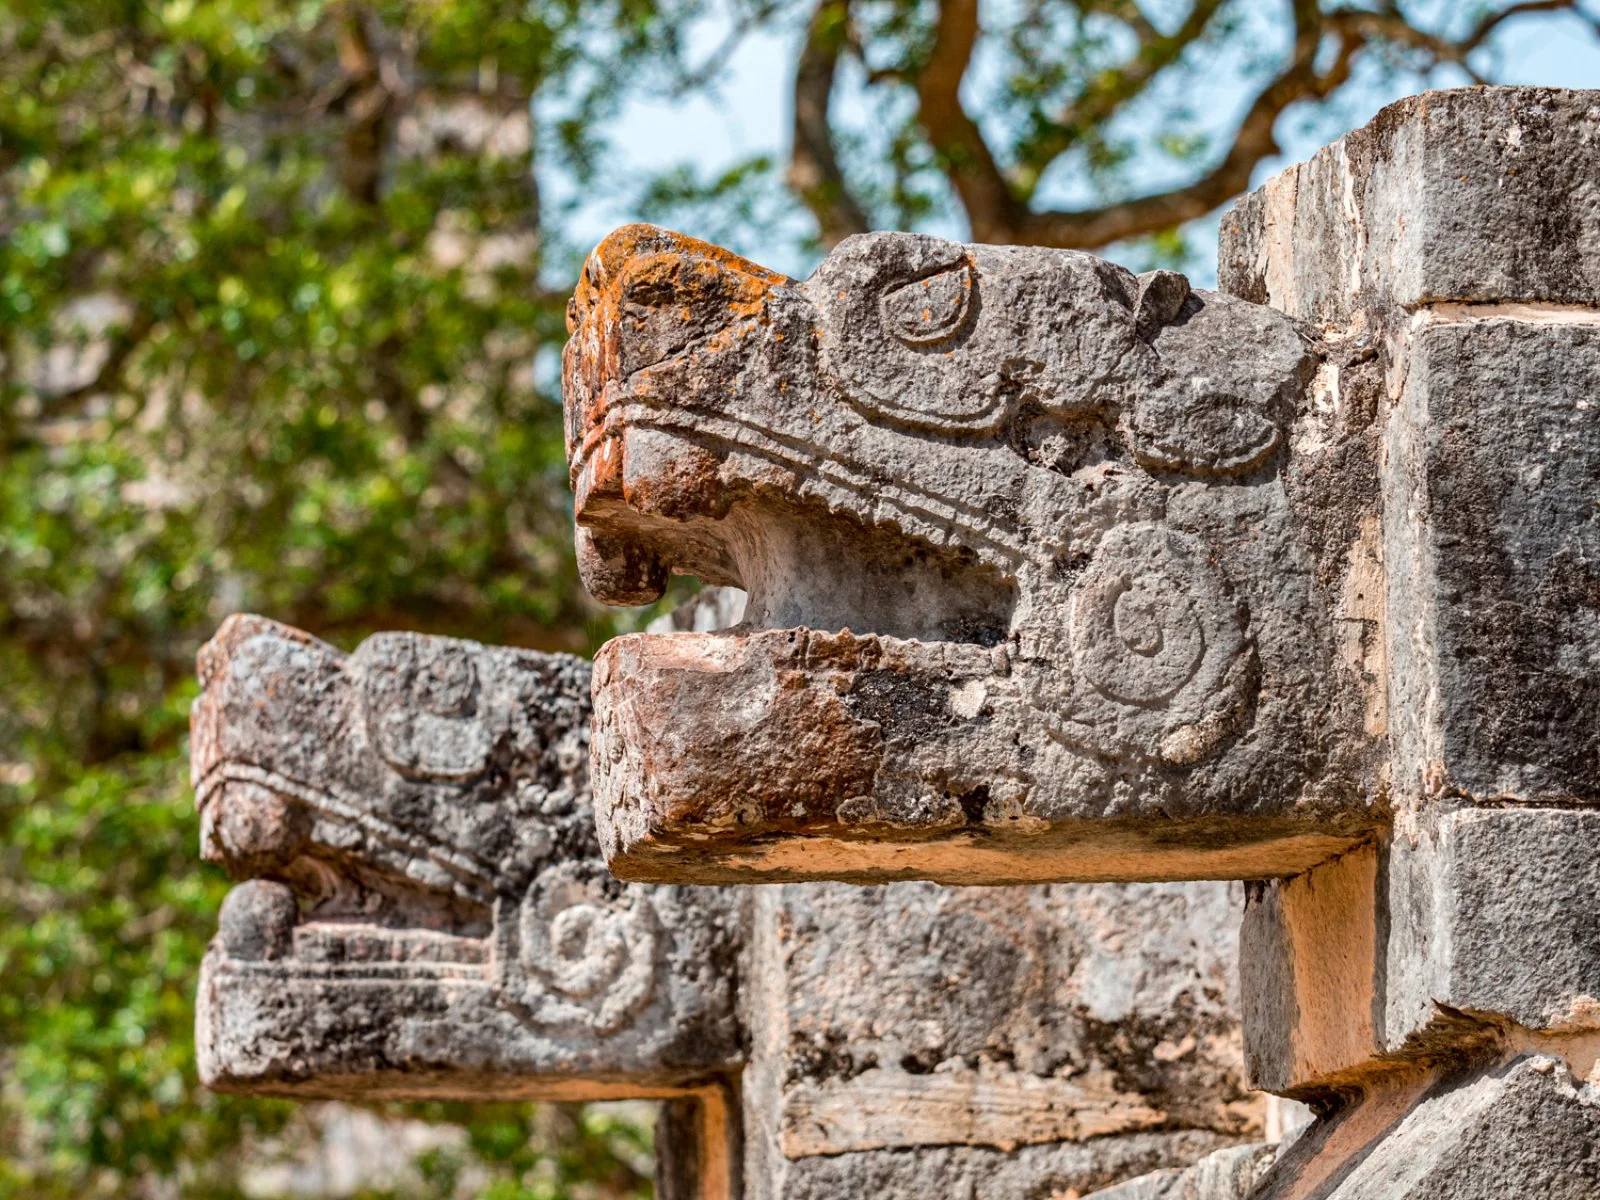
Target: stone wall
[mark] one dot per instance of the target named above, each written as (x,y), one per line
(1057,576)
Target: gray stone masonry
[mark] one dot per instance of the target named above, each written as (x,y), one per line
(1060,573)
(1056,574)
(424,912)
(1045,579)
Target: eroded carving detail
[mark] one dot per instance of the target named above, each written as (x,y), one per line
(424,899)
(1067,478)
(1161,645)
(574,956)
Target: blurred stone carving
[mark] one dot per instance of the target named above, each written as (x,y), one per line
(425,911)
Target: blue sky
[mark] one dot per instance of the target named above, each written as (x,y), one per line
(750,114)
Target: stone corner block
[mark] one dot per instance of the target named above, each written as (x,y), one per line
(1474,929)
(1473,195)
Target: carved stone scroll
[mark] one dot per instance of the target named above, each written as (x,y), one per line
(1032,547)
(425,912)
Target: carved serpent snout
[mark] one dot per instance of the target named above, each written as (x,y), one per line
(923,391)
(419,807)
(1035,502)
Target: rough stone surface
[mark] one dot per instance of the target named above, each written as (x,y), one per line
(1012,1022)
(427,916)
(1494,914)
(1479,357)
(1434,994)
(1039,580)
(1523,1128)
(1311,977)
(1476,195)
(966,1173)
(1492,460)
(1223,1175)
(428,913)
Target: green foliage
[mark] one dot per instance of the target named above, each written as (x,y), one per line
(274,317)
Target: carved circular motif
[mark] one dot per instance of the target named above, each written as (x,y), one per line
(1158,647)
(580,959)
(931,310)
(1136,637)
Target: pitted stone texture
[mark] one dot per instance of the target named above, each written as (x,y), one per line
(433,918)
(992,1029)
(1312,977)
(1493,553)
(1494,913)
(1476,929)
(1223,1175)
(1038,587)
(346,971)
(1475,195)
(968,1173)
(1524,1128)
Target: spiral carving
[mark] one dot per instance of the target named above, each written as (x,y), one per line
(573,957)
(1158,646)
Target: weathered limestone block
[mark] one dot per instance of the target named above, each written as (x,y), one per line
(1480,931)
(1477,914)
(425,911)
(1034,1041)
(1222,1175)
(1435,993)
(1039,583)
(1524,1127)
(1476,195)
(1492,458)
(427,915)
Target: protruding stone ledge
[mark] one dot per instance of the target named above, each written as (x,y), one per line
(874,758)
(1476,195)
(1474,932)
(427,913)
(1042,590)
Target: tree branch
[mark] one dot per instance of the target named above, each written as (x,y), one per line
(367,107)
(814,171)
(996,202)
(1253,142)
(1109,93)
(993,209)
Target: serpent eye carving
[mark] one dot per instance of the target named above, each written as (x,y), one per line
(1227,379)
(898,315)
(928,311)
(573,957)
(930,335)
(421,701)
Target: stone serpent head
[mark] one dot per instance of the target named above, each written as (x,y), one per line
(998,511)
(425,911)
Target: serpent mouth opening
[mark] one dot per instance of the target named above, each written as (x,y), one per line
(804,568)
(333,891)
(265,922)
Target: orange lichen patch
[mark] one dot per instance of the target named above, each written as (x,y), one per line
(645,295)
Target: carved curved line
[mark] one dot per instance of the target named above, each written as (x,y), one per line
(458,974)
(472,871)
(852,479)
